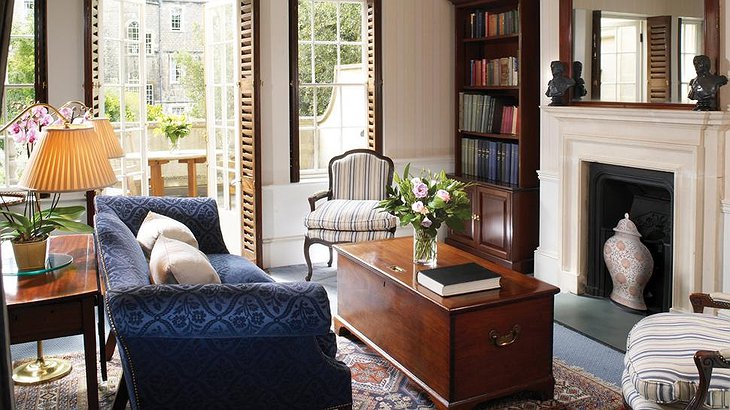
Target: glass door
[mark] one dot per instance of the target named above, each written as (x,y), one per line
(224,147)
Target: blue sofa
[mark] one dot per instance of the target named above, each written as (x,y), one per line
(248,342)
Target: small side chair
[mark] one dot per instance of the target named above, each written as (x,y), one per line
(358,180)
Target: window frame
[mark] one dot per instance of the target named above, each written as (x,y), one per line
(148,43)
(129,37)
(176,11)
(373,88)
(175,72)
(149,93)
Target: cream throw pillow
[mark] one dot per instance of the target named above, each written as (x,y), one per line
(155,225)
(173,261)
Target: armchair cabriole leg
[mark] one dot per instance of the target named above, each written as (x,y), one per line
(307,244)
(329,263)
(705,360)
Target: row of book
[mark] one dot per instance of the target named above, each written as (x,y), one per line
(487,115)
(490,160)
(482,23)
(496,72)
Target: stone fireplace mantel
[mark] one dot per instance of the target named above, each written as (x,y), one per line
(689,144)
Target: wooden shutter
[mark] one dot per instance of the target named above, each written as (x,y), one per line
(250,147)
(91,58)
(596,56)
(659,40)
(375,77)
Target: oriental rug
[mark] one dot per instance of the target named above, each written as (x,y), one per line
(375,385)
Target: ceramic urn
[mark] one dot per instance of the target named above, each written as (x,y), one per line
(629,263)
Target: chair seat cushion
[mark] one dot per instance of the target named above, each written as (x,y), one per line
(347,215)
(659,357)
(237,269)
(347,236)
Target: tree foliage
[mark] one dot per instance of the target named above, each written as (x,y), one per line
(21,64)
(193,81)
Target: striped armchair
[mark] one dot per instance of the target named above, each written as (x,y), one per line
(358,180)
(670,359)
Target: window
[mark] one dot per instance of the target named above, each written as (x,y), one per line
(177,110)
(622,61)
(176,19)
(331,82)
(29,4)
(23,83)
(176,71)
(149,94)
(690,41)
(133,38)
(148,43)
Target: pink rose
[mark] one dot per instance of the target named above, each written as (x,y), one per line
(419,208)
(444,195)
(426,223)
(420,190)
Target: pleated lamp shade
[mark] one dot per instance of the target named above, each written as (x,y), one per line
(109,140)
(68,159)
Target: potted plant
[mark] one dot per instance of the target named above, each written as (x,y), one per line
(29,230)
(174,128)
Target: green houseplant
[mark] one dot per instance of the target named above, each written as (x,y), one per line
(174,128)
(29,230)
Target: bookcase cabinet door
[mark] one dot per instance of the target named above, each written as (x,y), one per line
(495,222)
(467,236)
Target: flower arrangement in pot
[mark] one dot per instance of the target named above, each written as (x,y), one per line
(28,230)
(174,128)
(426,202)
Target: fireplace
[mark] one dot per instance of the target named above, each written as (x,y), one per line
(647,196)
(690,146)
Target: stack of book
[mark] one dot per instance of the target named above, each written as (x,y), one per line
(482,23)
(486,114)
(459,279)
(497,72)
(490,160)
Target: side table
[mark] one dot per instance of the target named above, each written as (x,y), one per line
(59,303)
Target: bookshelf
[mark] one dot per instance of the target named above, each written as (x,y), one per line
(497,130)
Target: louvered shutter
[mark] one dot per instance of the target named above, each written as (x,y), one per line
(250,147)
(375,77)
(659,39)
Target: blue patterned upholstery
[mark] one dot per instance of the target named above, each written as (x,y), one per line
(659,361)
(246,343)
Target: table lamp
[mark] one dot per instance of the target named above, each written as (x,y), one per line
(69,158)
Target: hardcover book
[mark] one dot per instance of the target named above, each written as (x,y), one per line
(459,279)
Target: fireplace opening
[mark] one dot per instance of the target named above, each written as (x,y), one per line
(647,196)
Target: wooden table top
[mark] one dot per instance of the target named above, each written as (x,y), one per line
(77,279)
(170,155)
(393,258)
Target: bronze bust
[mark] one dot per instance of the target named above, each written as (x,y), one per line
(704,87)
(559,84)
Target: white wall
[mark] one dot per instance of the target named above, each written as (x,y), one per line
(65,51)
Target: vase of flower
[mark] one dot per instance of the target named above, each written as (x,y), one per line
(426,202)
(424,247)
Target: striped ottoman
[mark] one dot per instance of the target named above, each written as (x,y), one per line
(659,365)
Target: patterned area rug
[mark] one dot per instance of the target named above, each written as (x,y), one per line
(375,385)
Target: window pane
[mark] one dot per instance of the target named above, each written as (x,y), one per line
(350,54)
(325,59)
(325,17)
(111,104)
(21,61)
(306,148)
(354,114)
(110,58)
(305,22)
(627,68)
(306,102)
(305,63)
(628,92)
(351,21)
(608,68)
(323,100)
(18,98)
(628,37)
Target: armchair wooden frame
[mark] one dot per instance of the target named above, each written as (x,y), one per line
(328,195)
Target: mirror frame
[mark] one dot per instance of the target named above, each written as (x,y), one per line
(712,50)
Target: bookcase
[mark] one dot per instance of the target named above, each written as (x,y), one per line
(498,127)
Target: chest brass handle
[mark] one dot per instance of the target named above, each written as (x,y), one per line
(505,340)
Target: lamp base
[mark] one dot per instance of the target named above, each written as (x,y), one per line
(41,370)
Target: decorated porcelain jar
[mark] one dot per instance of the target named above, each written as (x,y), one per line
(630,264)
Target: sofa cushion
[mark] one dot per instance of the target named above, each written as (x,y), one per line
(173,261)
(120,258)
(659,357)
(346,215)
(237,269)
(155,225)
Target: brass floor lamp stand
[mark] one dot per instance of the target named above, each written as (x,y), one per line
(41,370)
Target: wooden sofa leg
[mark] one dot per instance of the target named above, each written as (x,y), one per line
(122,396)
(111,343)
(307,244)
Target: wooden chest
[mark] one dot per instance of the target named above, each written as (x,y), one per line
(462,350)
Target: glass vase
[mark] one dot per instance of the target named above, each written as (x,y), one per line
(424,247)
(175,146)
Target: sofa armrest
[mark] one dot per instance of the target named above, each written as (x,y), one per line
(706,360)
(715,300)
(316,197)
(220,310)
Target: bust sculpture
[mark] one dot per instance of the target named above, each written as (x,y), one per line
(704,87)
(579,90)
(559,84)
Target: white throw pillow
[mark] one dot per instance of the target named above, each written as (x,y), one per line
(155,225)
(174,261)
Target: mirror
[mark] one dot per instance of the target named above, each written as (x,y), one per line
(635,52)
